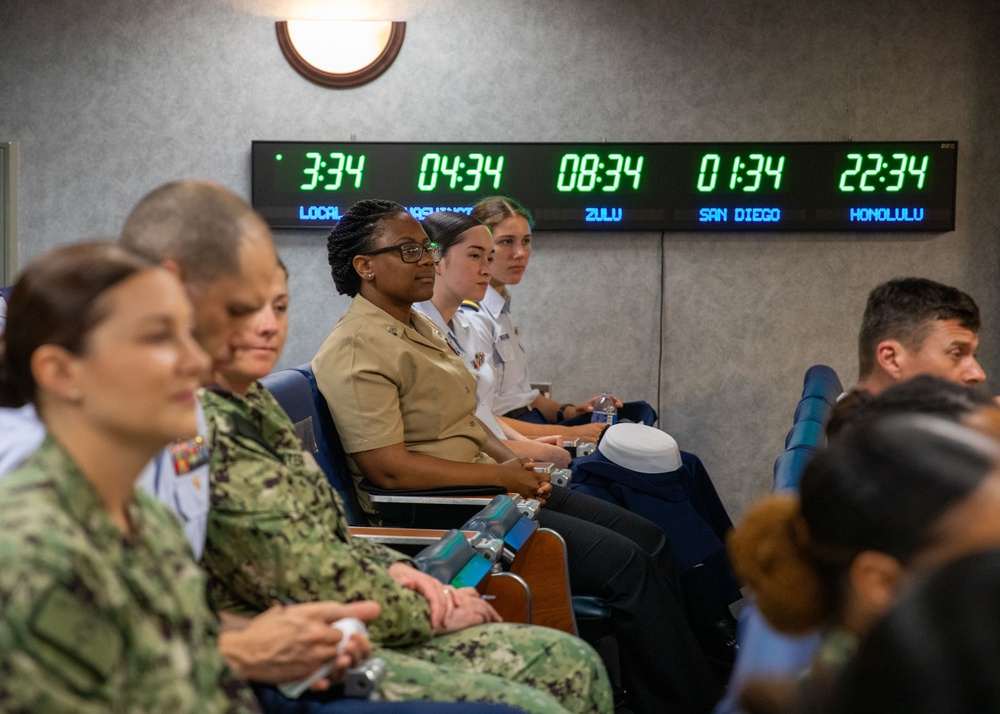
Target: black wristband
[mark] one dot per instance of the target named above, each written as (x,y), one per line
(560,412)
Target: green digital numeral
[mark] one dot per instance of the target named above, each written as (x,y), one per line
(844,177)
(587,178)
(877,158)
(337,172)
(709,172)
(332,172)
(776,172)
(635,172)
(567,176)
(899,167)
(495,171)
(899,172)
(756,173)
(615,173)
(312,171)
(476,173)
(451,170)
(921,172)
(429,167)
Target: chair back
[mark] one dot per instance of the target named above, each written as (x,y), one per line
(764,652)
(296,391)
(822,381)
(805,433)
(812,409)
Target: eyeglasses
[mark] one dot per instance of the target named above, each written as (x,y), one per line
(412,252)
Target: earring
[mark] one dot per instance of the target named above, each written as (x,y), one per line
(74,394)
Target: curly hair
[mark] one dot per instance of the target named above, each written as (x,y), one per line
(883,488)
(771,553)
(354,235)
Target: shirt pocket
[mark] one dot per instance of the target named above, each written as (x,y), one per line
(191,495)
(507,350)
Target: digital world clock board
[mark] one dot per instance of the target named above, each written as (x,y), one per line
(779,186)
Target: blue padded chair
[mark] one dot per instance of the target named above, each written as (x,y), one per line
(789,465)
(805,433)
(297,393)
(812,409)
(822,381)
(763,651)
(5,292)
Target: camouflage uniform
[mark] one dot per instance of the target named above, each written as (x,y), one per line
(97,621)
(275,525)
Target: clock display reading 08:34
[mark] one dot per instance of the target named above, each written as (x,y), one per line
(724,186)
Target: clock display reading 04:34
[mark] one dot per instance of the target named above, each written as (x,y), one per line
(464,172)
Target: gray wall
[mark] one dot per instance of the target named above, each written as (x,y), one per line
(109,98)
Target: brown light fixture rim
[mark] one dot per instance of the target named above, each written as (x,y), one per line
(348,79)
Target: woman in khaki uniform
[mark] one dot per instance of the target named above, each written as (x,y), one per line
(404,405)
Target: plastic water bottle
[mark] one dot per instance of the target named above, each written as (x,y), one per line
(605,411)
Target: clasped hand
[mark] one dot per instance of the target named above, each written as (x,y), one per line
(451,608)
(523,479)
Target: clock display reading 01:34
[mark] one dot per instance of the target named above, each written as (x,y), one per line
(759,186)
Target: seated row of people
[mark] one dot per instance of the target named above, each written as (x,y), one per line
(178,226)
(99,336)
(276,526)
(107,607)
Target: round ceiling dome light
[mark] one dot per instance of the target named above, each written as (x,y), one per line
(340,54)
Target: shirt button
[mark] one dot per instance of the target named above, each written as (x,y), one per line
(466,390)
(472,423)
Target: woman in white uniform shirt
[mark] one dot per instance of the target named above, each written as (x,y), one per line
(510,225)
(463,273)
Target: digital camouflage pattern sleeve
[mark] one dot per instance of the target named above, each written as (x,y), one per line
(275,523)
(95,620)
(277,528)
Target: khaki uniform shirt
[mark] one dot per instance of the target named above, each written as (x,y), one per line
(97,621)
(388,382)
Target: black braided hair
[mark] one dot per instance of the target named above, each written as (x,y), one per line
(354,235)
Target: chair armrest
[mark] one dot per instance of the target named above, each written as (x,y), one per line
(509,595)
(403,536)
(448,506)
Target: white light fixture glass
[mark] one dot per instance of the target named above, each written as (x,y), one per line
(340,53)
